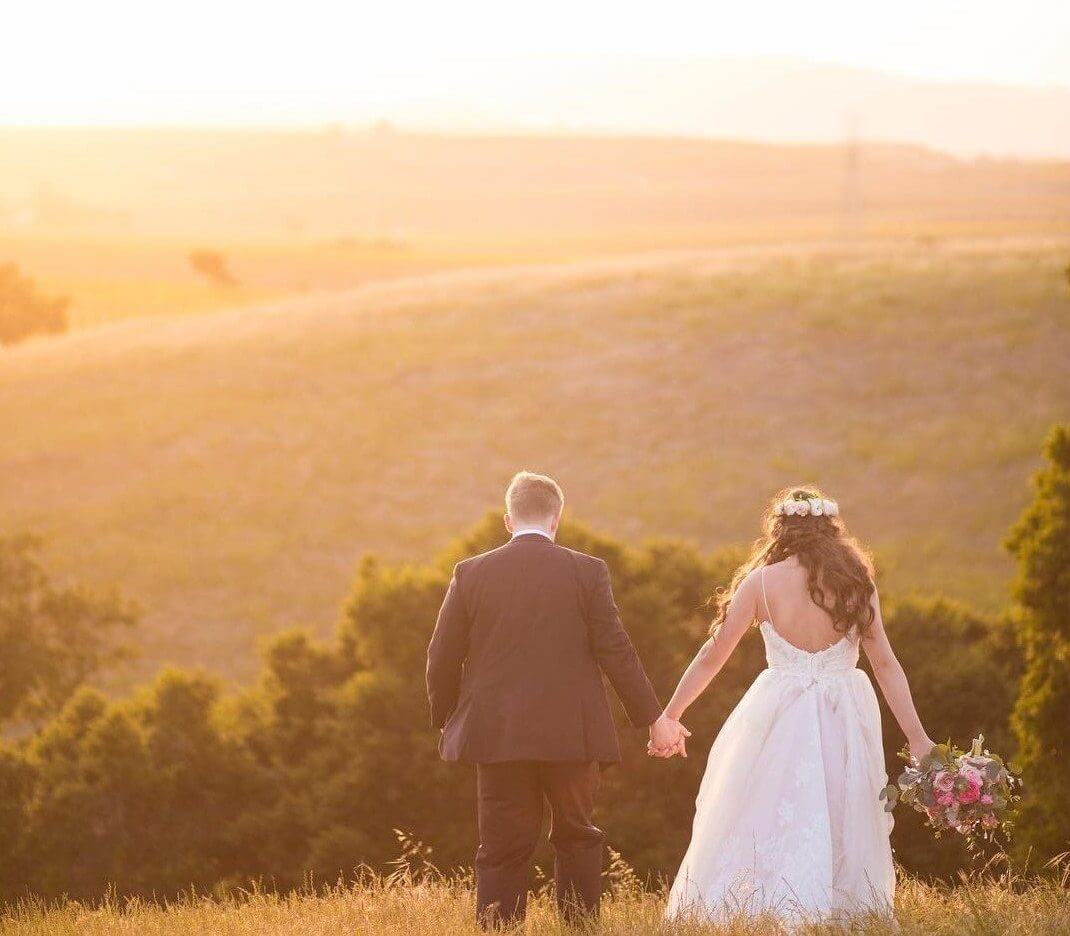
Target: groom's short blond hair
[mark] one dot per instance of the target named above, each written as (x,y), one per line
(534,498)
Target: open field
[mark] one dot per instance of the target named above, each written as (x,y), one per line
(111,277)
(228,470)
(407,909)
(299,212)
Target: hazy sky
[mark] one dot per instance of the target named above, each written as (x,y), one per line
(129,61)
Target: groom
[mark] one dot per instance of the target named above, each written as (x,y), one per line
(514,677)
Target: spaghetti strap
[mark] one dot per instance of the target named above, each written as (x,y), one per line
(765,598)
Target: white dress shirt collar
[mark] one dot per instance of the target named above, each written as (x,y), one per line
(524,531)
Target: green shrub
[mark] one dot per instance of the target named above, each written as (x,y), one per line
(1041,543)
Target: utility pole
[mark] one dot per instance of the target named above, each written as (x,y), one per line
(851,226)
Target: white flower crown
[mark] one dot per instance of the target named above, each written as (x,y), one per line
(812,507)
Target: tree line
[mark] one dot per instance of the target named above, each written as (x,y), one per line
(307,773)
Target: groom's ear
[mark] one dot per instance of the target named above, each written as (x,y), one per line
(508,523)
(555,523)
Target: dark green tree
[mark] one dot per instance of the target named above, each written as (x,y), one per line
(16,787)
(52,639)
(150,795)
(1041,543)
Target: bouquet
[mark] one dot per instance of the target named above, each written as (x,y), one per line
(972,792)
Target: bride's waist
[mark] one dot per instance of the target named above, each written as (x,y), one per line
(814,671)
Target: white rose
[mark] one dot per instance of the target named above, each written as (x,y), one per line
(789,508)
(802,508)
(815,506)
(832,509)
(778,510)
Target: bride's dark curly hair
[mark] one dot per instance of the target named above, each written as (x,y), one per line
(839,570)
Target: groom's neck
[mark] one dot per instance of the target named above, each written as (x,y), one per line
(523,529)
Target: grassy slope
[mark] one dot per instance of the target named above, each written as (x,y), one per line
(228,470)
(446,910)
(304,211)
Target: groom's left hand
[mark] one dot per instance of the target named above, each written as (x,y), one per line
(679,748)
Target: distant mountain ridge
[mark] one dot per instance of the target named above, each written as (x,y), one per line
(768,99)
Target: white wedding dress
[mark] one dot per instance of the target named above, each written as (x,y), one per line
(788,820)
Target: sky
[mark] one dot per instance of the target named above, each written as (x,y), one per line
(200,62)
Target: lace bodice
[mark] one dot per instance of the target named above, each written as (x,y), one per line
(787,659)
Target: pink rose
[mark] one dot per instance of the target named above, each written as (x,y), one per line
(971,794)
(944,782)
(945,799)
(986,799)
(972,774)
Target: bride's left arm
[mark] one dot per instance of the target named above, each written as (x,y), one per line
(893,682)
(714,653)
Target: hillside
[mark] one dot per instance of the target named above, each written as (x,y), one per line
(305,211)
(228,470)
(498,192)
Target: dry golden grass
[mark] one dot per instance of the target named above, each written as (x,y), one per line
(404,908)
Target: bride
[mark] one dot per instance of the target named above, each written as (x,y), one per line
(788,822)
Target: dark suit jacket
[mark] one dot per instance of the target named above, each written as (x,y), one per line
(514,669)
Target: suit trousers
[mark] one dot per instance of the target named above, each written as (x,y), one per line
(512,798)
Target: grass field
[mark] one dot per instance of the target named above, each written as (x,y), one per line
(228,470)
(113,277)
(304,211)
(403,908)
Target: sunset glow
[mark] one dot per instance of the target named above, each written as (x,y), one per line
(467,64)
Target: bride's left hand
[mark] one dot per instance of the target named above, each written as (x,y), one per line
(918,749)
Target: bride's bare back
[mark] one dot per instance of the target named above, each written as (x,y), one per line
(786,604)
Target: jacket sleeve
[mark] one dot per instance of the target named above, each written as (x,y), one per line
(446,654)
(615,653)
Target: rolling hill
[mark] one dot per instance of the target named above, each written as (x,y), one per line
(228,470)
(501,194)
(300,211)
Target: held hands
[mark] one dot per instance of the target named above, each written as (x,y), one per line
(667,738)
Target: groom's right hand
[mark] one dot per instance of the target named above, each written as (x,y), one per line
(667,738)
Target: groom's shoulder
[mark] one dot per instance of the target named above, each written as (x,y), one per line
(583,561)
(481,559)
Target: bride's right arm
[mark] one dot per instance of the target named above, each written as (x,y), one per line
(893,682)
(715,652)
